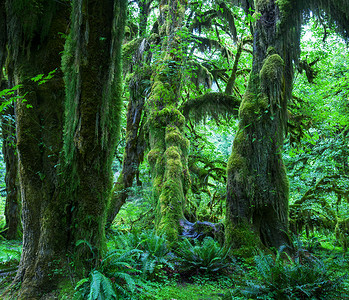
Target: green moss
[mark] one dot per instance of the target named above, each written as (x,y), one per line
(262,5)
(242,240)
(170,206)
(129,49)
(237,166)
(252,108)
(153,156)
(168,115)
(272,67)
(173,137)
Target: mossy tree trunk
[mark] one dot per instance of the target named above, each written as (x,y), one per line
(168,156)
(257,185)
(64,196)
(34,44)
(135,143)
(3,35)
(92,66)
(13,202)
(134,147)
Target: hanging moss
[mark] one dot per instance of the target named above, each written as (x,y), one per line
(262,5)
(337,12)
(29,19)
(214,105)
(271,78)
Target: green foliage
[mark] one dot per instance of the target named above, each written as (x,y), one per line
(10,251)
(285,278)
(8,96)
(316,154)
(114,277)
(152,256)
(203,257)
(100,287)
(10,254)
(41,78)
(201,288)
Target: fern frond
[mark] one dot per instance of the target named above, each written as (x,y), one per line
(129,280)
(95,285)
(211,105)
(107,288)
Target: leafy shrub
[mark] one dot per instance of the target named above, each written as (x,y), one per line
(202,257)
(288,279)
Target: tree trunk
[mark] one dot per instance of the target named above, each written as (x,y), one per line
(168,157)
(39,142)
(64,196)
(135,144)
(257,185)
(92,65)
(13,202)
(134,148)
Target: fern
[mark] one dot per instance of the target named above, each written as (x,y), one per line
(96,287)
(288,279)
(150,252)
(114,277)
(205,257)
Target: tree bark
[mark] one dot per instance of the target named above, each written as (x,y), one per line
(39,142)
(13,202)
(168,156)
(257,185)
(64,193)
(134,148)
(92,65)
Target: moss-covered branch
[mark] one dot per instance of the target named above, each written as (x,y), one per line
(213,105)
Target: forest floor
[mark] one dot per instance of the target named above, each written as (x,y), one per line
(173,286)
(321,264)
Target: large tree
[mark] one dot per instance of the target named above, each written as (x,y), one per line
(64,193)
(34,44)
(257,187)
(168,155)
(92,66)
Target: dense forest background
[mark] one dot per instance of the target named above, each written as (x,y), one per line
(174,149)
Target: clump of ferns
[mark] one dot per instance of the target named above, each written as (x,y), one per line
(206,257)
(114,278)
(286,278)
(153,257)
